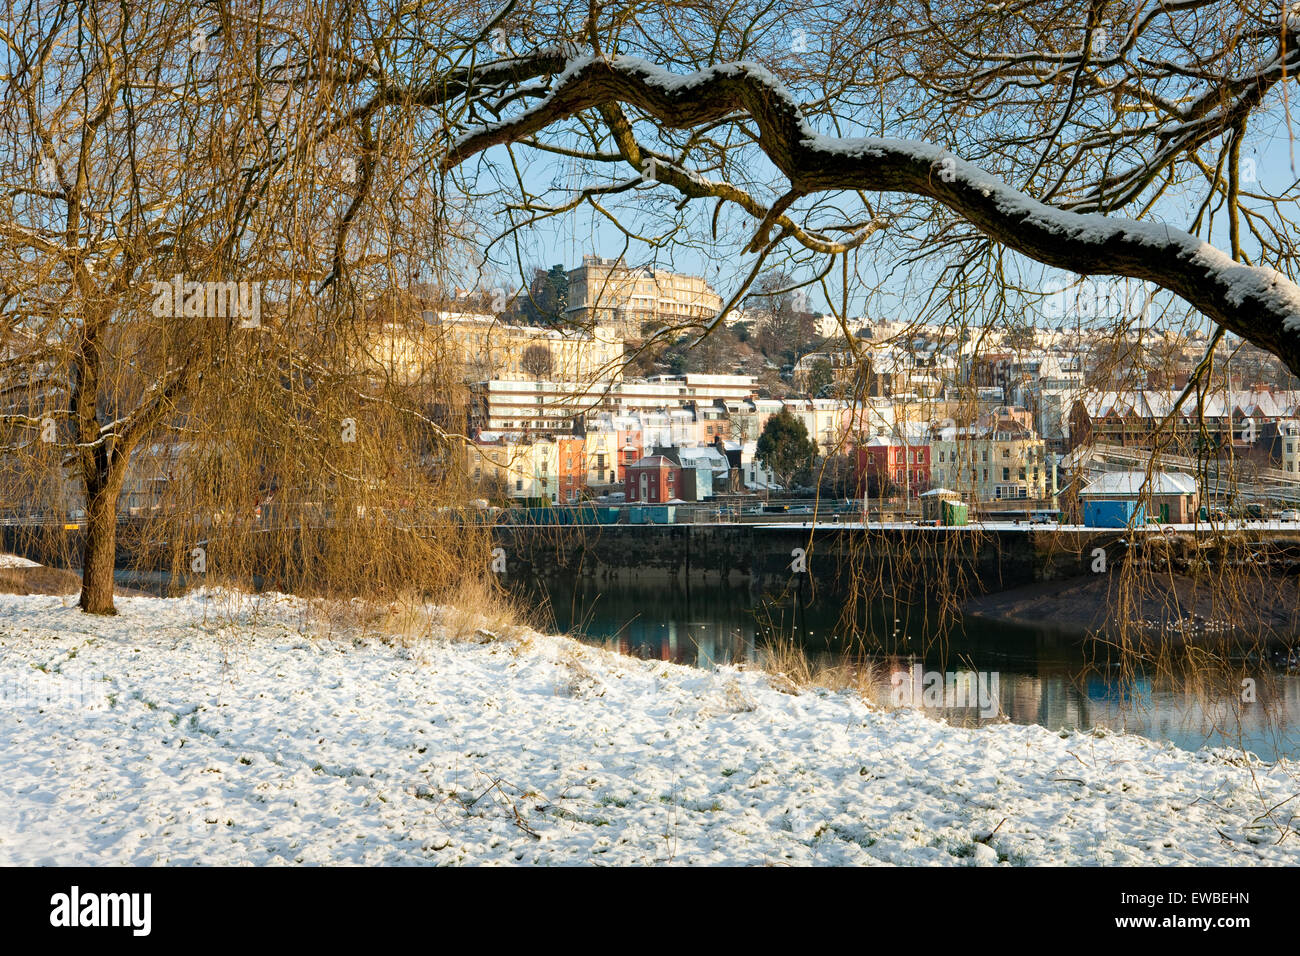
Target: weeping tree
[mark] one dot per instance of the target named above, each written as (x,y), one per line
(123,269)
(203,319)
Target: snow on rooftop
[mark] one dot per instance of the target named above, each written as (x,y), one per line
(1136,483)
(940,493)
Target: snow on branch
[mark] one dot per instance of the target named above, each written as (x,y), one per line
(1256,302)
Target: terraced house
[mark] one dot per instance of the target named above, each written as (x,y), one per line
(1234,418)
(993,462)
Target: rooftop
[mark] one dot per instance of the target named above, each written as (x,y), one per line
(1135,483)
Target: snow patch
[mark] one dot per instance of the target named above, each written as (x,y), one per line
(234,730)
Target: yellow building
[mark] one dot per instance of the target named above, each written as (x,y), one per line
(1289,432)
(602,457)
(525,469)
(1004,461)
(609,292)
(471,347)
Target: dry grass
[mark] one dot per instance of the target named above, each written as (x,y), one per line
(38,581)
(405,620)
(478,609)
(46,580)
(791,671)
(474,610)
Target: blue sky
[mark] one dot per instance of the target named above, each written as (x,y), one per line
(1269,149)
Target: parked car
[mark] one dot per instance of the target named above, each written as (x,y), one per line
(1290,514)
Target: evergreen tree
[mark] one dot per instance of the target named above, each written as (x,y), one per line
(784,447)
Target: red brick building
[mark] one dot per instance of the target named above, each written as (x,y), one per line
(629,453)
(653,479)
(571,468)
(893,462)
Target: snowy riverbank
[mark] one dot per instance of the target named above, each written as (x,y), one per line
(193,731)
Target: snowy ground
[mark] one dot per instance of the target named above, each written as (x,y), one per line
(193,731)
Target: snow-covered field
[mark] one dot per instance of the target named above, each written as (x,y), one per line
(196,731)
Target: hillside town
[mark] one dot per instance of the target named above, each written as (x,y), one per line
(567,405)
(593,385)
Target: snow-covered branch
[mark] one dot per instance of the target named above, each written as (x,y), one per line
(1256,302)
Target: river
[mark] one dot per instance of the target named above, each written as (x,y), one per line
(1037,676)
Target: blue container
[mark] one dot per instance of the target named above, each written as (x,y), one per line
(1112,514)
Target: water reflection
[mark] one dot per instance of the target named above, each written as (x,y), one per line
(1043,677)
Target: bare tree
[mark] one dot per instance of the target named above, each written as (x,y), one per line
(872,150)
(124,262)
(781,315)
(537,361)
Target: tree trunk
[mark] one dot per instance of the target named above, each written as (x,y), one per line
(100,546)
